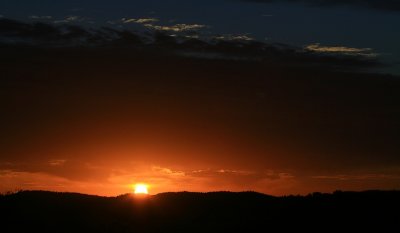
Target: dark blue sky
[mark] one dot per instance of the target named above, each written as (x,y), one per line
(348,26)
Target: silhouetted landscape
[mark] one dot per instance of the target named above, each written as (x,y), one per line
(39,211)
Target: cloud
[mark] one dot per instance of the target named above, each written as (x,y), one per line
(140,20)
(267,181)
(344,177)
(354,180)
(70,19)
(11,180)
(57,162)
(46,34)
(367,52)
(223,172)
(220,47)
(177,27)
(387,5)
(239,172)
(150,24)
(230,37)
(167,171)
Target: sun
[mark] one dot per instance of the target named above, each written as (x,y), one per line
(141,189)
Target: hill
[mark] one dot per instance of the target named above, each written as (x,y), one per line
(39,211)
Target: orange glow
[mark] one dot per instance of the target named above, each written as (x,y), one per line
(141,189)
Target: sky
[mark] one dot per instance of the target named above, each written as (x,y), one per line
(299,23)
(99,123)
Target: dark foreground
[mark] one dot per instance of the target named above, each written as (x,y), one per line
(36,211)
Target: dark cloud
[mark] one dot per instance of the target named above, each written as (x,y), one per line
(195,46)
(15,32)
(388,5)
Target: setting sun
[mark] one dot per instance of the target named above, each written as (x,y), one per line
(141,189)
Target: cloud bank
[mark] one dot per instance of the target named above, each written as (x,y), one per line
(185,40)
(366,52)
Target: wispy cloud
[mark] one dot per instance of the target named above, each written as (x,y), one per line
(237,172)
(70,19)
(177,27)
(140,20)
(357,177)
(230,37)
(57,162)
(150,23)
(23,180)
(367,52)
(167,171)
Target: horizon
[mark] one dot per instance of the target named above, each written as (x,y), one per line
(7,193)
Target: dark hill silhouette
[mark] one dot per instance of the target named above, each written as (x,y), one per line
(39,211)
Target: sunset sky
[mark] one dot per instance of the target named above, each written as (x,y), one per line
(100,121)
